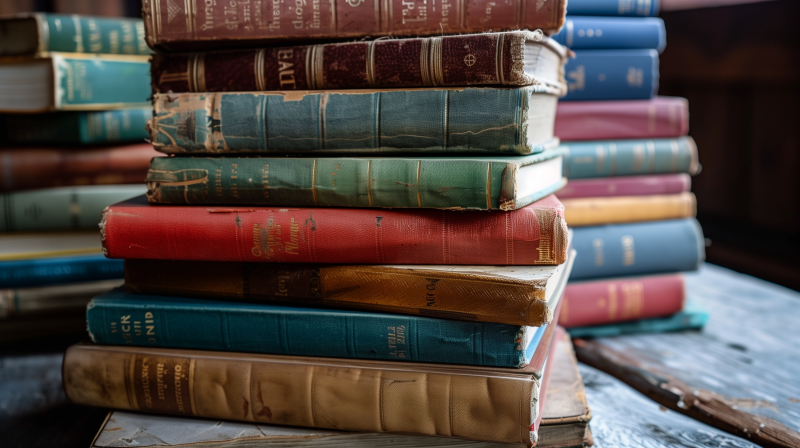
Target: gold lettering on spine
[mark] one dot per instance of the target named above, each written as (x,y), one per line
(632,299)
(397,341)
(628,254)
(546,219)
(612,301)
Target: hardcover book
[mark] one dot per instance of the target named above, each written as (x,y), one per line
(53,299)
(691,317)
(76,128)
(479,183)
(31,246)
(31,168)
(612,75)
(658,184)
(59,270)
(73,81)
(517,58)
(532,235)
(630,157)
(177,26)
(614,7)
(613,33)
(466,120)
(594,211)
(659,117)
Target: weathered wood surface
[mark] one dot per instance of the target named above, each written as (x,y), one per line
(739,374)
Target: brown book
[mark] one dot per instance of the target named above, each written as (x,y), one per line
(623,209)
(517,58)
(173,25)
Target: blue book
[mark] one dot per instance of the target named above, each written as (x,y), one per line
(609,158)
(613,7)
(613,33)
(119,318)
(612,75)
(691,318)
(58,270)
(637,249)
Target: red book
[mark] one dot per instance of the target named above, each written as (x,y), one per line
(29,168)
(627,186)
(176,25)
(660,117)
(536,234)
(616,300)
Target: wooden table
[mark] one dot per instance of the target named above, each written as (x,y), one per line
(34,411)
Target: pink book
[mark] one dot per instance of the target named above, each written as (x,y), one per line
(660,117)
(626,186)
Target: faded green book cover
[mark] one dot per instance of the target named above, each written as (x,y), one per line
(108,126)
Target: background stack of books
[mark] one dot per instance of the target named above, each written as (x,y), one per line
(629,161)
(73,98)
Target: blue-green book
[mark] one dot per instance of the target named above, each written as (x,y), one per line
(120,318)
(76,128)
(608,158)
(691,318)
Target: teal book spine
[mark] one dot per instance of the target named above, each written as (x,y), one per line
(691,318)
(630,157)
(487,183)
(122,318)
(61,208)
(468,120)
(81,34)
(111,126)
(85,82)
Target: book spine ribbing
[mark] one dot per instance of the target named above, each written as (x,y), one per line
(80,34)
(58,270)
(92,83)
(614,7)
(630,157)
(613,33)
(612,75)
(580,212)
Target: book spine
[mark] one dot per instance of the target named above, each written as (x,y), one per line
(532,235)
(60,208)
(630,157)
(73,33)
(359,397)
(637,249)
(58,270)
(92,83)
(623,209)
(58,299)
(418,291)
(612,75)
(614,7)
(691,318)
(175,26)
(471,119)
(499,60)
(301,331)
(610,301)
(626,186)
(660,117)
(613,33)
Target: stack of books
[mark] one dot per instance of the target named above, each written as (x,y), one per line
(629,164)
(357,236)
(73,104)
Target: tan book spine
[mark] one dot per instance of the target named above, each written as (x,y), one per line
(496,405)
(621,209)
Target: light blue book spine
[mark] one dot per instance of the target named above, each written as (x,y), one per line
(119,318)
(630,157)
(612,75)
(613,33)
(637,249)
(691,318)
(81,34)
(59,270)
(111,126)
(85,82)
(613,7)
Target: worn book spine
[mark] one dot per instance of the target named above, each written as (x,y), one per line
(660,117)
(58,299)
(532,235)
(614,7)
(622,209)
(29,168)
(613,33)
(476,59)
(366,396)
(176,26)
(630,157)
(637,249)
(111,126)
(609,301)
(58,270)
(478,120)
(89,82)
(612,75)
(60,208)
(657,184)
(691,317)
(451,183)
(80,34)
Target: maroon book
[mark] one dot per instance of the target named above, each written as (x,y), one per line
(660,117)
(626,186)
(518,58)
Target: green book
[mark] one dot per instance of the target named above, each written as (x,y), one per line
(67,81)
(482,183)
(61,208)
(110,126)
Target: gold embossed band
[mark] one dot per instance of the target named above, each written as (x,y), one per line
(499,55)
(423,62)
(261,77)
(437,72)
(371,63)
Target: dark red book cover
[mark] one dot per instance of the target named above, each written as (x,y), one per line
(626,186)
(660,117)
(532,235)
(621,299)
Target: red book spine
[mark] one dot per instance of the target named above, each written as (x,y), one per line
(660,117)
(29,168)
(626,186)
(617,300)
(175,25)
(536,234)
